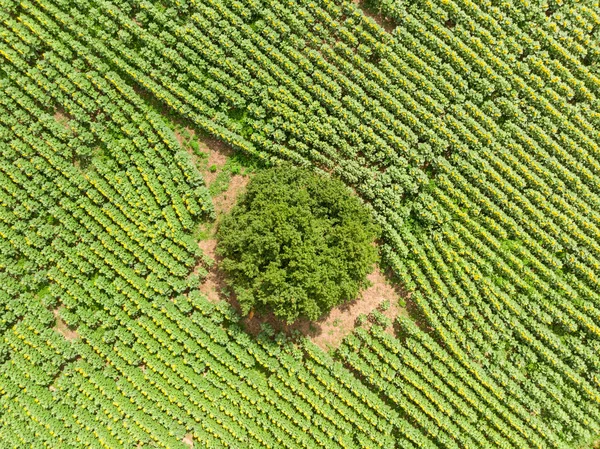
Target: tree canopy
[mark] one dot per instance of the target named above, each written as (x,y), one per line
(297,243)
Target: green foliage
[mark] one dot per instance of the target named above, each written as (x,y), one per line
(471,129)
(237,164)
(376,317)
(297,244)
(361,319)
(242,164)
(221,182)
(204,231)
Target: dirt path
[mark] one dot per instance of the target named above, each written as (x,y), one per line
(223,202)
(62,328)
(213,285)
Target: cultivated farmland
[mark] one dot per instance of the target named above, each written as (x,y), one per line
(469,130)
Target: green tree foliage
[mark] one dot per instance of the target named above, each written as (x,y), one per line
(297,243)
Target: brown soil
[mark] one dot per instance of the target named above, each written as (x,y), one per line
(225,201)
(218,152)
(208,247)
(188,439)
(213,285)
(341,320)
(180,138)
(62,328)
(61,117)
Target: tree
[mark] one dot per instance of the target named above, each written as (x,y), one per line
(297,243)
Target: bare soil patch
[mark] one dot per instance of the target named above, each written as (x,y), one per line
(62,328)
(226,200)
(218,152)
(188,439)
(62,117)
(180,138)
(208,247)
(214,285)
(342,319)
